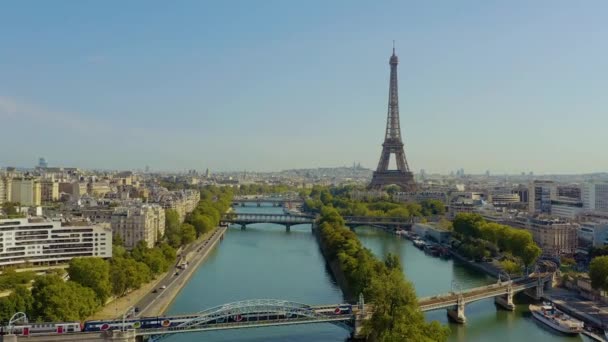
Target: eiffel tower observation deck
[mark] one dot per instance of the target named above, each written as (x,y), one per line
(393,144)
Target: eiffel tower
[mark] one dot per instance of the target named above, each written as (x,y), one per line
(393,144)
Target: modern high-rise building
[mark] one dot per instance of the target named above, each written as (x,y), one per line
(595,196)
(41,242)
(540,194)
(26,191)
(139,223)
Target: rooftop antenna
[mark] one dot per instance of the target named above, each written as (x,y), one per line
(393,46)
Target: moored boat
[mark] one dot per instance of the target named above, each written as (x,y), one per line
(549,315)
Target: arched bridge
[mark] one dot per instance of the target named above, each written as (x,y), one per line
(256,313)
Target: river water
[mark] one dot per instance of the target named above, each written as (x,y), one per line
(265,261)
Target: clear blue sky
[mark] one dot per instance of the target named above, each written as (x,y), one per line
(508,86)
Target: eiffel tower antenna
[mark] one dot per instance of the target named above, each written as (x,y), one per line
(393,144)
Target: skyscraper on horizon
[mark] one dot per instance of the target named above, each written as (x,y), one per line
(393,144)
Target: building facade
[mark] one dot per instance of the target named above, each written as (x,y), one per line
(593,234)
(139,223)
(540,194)
(49,190)
(40,242)
(595,196)
(26,191)
(554,237)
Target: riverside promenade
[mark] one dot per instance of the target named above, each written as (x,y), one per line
(155,304)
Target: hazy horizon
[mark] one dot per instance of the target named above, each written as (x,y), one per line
(260,86)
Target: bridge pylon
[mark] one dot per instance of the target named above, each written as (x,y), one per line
(457,313)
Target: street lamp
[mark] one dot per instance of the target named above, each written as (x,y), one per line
(129,311)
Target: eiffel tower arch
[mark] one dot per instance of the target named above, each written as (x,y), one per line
(393,144)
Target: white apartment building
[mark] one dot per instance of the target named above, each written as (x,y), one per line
(26,191)
(41,242)
(593,234)
(141,222)
(595,196)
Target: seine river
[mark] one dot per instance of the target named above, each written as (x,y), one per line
(265,261)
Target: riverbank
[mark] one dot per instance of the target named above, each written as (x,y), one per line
(159,304)
(336,272)
(118,306)
(485,267)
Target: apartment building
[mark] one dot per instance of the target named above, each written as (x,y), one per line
(555,237)
(41,242)
(49,189)
(145,222)
(26,191)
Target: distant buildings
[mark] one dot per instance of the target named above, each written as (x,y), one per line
(50,190)
(540,194)
(40,242)
(595,196)
(554,237)
(139,223)
(26,191)
(182,201)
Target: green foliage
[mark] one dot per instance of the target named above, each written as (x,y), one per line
(396,315)
(126,274)
(511,267)
(10,210)
(518,242)
(55,300)
(187,233)
(432,207)
(172,228)
(598,272)
(10,278)
(20,300)
(93,273)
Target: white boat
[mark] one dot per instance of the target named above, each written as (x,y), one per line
(549,315)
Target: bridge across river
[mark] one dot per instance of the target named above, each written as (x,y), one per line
(274,201)
(289,220)
(274,312)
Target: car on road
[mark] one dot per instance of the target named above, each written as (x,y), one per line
(163,287)
(154,291)
(176,274)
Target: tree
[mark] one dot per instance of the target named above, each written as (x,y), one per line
(598,272)
(127,274)
(93,273)
(187,233)
(510,267)
(530,253)
(395,316)
(20,300)
(117,240)
(56,300)
(172,228)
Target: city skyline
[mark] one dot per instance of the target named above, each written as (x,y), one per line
(277,86)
